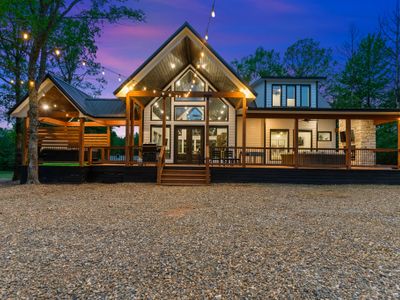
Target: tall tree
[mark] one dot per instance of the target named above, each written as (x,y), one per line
(262,63)
(364,80)
(42,18)
(307,58)
(390,28)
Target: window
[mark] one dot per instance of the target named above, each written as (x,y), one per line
(189,113)
(305,95)
(156,138)
(279,139)
(218,137)
(276,95)
(190,82)
(157,111)
(218,110)
(305,139)
(290,95)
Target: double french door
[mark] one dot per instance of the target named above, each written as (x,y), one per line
(189,144)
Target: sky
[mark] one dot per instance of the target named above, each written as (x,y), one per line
(239,28)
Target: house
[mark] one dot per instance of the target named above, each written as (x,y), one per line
(191,110)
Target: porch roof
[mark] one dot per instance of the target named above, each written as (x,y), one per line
(185,47)
(386,115)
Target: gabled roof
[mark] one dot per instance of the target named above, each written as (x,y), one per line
(181,49)
(87,105)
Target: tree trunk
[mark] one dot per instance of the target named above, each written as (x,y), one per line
(18,149)
(33,165)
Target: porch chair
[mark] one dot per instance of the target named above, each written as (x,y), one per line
(149,152)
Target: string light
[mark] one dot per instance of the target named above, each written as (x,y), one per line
(12,81)
(25,36)
(103,73)
(57,52)
(84,63)
(119,78)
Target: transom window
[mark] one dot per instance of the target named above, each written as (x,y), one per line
(189,113)
(190,82)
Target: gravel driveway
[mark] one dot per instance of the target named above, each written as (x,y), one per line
(218,242)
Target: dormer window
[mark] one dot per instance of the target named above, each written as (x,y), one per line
(305,95)
(276,95)
(290,95)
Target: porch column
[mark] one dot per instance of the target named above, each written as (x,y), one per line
(296,144)
(207,117)
(348,144)
(81,141)
(108,142)
(244,116)
(132,135)
(141,126)
(398,143)
(164,122)
(127,129)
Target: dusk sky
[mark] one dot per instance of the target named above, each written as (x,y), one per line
(239,28)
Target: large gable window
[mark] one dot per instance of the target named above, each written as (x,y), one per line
(190,82)
(218,110)
(157,109)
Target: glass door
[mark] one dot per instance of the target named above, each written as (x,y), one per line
(189,145)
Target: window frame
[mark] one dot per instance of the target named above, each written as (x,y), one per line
(190,105)
(227,111)
(221,126)
(301,95)
(151,109)
(270,141)
(306,131)
(295,95)
(189,99)
(169,138)
(272,95)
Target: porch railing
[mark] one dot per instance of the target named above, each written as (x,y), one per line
(117,155)
(306,157)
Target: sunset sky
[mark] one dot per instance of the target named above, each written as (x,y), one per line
(239,28)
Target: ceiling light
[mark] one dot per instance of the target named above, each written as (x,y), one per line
(45,106)
(173,66)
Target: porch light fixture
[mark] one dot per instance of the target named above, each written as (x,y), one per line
(45,107)
(144,88)
(67,115)
(154,91)
(55,105)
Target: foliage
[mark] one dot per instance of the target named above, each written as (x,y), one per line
(262,63)
(307,58)
(364,80)
(7,149)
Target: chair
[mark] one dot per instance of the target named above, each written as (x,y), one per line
(149,152)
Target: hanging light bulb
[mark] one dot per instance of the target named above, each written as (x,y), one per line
(83,63)
(119,78)
(103,73)
(213,13)
(25,36)
(206,37)
(12,81)
(57,52)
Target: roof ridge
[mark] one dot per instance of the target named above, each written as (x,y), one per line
(56,77)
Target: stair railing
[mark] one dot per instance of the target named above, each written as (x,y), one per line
(160,164)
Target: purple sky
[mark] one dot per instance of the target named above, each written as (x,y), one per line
(239,28)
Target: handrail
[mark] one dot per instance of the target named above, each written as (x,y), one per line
(160,164)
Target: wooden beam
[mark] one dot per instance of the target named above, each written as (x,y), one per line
(398,143)
(390,117)
(381,122)
(53,121)
(144,94)
(296,143)
(60,114)
(82,142)
(207,118)
(348,144)
(164,122)
(127,129)
(244,116)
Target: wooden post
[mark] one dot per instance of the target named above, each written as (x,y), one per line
(132,136)
(348,144)
(296,143)
(398,143)
(127,129)
(207,129)
(26,139)
(141,127)
(81,141)
(244,116)
(164,122)
(108,142)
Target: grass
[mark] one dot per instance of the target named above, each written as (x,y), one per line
(7,175)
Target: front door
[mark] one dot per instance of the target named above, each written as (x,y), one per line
(189,144)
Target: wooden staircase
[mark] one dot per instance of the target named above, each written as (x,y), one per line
(175,175)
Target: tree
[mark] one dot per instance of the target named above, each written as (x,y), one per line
(262,63)
(307,58)
(364,79)
(43,19)
(390,29)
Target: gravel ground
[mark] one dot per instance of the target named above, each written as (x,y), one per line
(220,242)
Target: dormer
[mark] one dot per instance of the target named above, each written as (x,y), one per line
(287,92)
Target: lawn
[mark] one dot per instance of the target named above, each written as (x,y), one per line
(6,175)
(214,242)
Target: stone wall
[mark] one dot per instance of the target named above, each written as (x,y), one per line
(364,138)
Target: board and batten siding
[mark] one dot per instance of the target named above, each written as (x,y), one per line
(263,89)
(255,131)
